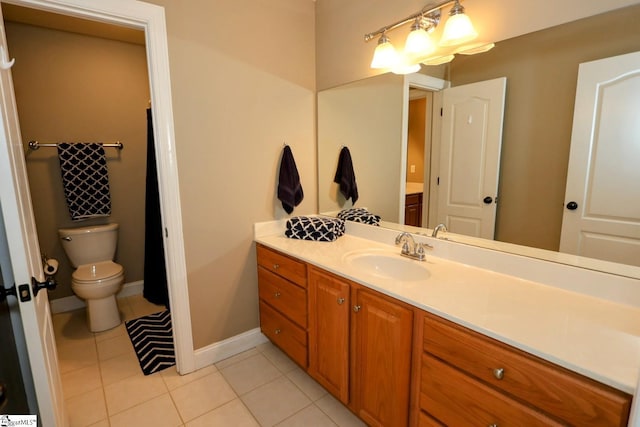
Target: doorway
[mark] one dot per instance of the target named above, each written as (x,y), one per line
(16,199)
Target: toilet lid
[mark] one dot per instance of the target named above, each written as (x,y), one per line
(96,271)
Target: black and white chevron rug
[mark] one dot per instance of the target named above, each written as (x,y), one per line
(152,340)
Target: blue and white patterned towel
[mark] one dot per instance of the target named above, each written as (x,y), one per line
(314,228)
(85,179)
(359,215)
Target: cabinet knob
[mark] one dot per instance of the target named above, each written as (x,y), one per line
(277,294)
(498,373)
(276,266)
(340,301)
(357,308)
(494,425)
(277,331)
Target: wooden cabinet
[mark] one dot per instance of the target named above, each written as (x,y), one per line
(499,384)
(384,358)
(413,209)
(360,348)
(282,283)
(381,358)
(329,311)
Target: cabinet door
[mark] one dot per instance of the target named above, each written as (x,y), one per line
(329,332)
(381,366)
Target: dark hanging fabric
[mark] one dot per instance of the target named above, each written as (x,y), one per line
(289,188)
(346,177)
(155,270)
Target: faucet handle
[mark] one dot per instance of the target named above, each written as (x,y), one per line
(405,247)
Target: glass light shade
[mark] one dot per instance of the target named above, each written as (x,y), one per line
(385,55)
(457,30)
(419,43)
(474,48)
(406,68)
(438,60)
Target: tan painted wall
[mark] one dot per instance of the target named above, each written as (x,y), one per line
(415,139)
(243,83)
(343,56)
(541,70)
(71,87)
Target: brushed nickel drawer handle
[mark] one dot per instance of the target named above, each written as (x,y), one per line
(277,294)
(494,425)
(340,301)
(277,331)
(498,373)
(276,266)
(357,308)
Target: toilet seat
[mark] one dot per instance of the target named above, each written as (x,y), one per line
(97,272)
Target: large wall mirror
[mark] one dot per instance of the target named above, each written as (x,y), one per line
(541,70)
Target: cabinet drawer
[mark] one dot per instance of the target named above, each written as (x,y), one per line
(413,199)
(555,390)
(284,296)
(456,399)
(278,263)
(284,333)
(425,420)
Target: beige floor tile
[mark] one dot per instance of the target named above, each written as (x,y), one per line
(71,326)
(126,311)
(279,359)
(338,412)
(132,391)
(76,355)
(120,367)
(157,412)
(174,380)
(308,385)
(103,423)
(142,307)
(86,409)
(275,401)
(111,333)
(202,395)
(237,358)
(250,373)
(113,347)
(81,380)
(233,414)
(309,416)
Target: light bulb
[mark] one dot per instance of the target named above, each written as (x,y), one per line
(458,29)
(419,43)
(385,55)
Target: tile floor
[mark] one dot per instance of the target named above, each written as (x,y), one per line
(104,386)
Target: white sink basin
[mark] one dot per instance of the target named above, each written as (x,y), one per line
(386,264)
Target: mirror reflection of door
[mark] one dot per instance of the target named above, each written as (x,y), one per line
(602,199)
(470,157)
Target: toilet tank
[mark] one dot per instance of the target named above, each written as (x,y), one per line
(86,245)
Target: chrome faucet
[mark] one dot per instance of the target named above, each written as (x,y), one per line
(439,227)
(410,248)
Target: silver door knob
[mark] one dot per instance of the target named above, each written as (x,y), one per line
(357,308)
(340,301)
(498,373)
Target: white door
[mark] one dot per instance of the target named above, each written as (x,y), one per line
(602,199)
(471,139)
(24,252)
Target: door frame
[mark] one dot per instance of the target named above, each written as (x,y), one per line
(151,19)
(427,83)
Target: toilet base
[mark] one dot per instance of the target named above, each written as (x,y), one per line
(102,314)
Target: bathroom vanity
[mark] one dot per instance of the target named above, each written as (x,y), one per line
(442,342)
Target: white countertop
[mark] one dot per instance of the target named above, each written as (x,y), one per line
(599,338)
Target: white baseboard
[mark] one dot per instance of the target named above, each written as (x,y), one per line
(70,303)
(230,347)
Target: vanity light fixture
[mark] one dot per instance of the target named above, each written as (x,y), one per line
(420,48)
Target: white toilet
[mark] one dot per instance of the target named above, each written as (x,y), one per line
(97,278)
